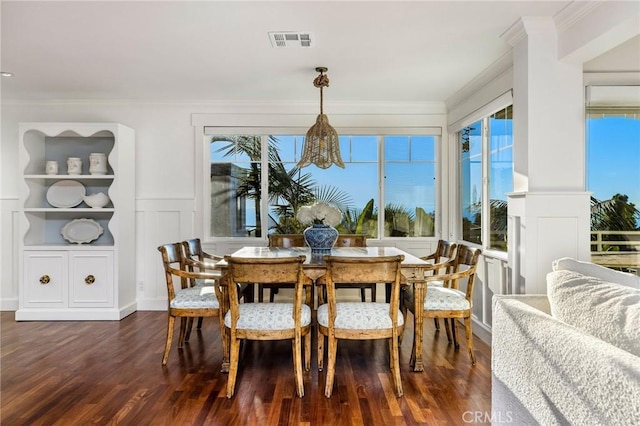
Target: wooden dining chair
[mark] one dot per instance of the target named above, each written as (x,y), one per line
(357,240)
(268,321)
(447,301)
(445,251)
(359,320)
(184,301)
(197,260)
(283,241)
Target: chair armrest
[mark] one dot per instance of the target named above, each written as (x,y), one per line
(195,275)
(202,265)
(212,256)
(430,257)
(434,267)
(450,276)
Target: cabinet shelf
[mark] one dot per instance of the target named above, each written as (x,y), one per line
(66,246)
(72,177)
(69,210)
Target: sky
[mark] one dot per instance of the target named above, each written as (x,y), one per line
(613,164)
(613,158)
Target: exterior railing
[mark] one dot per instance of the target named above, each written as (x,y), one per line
(616,249)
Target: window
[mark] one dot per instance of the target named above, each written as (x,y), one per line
(613,173)
(486,176)
(256,188)
(470,139)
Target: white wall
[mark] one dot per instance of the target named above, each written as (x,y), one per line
(168,152)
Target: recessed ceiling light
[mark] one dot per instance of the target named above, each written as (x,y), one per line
(6,74)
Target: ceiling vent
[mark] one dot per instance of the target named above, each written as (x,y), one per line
(290,39)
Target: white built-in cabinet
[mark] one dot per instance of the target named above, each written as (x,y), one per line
(77,261)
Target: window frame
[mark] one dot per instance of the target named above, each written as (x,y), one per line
(603,101)
(265,131)
(482,115)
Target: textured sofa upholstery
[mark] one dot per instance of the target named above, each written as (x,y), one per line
(546,371)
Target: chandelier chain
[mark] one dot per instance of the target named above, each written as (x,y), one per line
(321,81)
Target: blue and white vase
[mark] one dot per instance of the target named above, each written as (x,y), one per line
(320,238)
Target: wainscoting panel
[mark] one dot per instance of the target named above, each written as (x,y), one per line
(544,226)
(158,222)
(9,249)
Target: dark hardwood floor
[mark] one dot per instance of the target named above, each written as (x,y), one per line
(67,373)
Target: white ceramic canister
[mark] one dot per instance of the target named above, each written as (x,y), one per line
(74,166)
(97,163)
(51,167)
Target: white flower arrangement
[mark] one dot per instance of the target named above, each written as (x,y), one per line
(319,213)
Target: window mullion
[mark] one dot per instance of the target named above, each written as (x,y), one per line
(381,185)
(264,185)
(486,208)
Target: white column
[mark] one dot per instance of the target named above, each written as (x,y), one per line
(549,209)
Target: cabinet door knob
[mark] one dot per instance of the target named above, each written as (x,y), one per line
(90,279)
(45,279)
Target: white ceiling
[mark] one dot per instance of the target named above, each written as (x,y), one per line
(388,51)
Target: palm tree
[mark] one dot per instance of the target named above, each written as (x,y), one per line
(360,221)
(287,189)
(398,220)
(615,214)
(250,180)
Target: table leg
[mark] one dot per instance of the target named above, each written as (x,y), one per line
(418,306)
(224,331)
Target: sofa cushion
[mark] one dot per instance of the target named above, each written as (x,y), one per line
(593,270)
(608,311)
(559,374)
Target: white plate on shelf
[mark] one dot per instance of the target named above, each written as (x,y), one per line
(66,193)
(81,231)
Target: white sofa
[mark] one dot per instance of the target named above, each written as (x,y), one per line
(571,356)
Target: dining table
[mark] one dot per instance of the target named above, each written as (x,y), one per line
(413,269)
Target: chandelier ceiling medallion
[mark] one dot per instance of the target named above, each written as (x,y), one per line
(321,145)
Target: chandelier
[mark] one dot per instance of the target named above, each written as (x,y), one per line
(321,146)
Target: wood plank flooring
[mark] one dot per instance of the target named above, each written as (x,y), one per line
(105,373)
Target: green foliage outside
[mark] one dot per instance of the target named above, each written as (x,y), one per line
(290,190)
(615,214)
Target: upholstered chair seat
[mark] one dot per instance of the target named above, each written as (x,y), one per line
(205,283)
(442,298)
(191,298)
(262,316)
(358,316)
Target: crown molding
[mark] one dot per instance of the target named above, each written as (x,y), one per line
(514,33)
(268,107)
(573,13)
(497,69)
(564,19)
